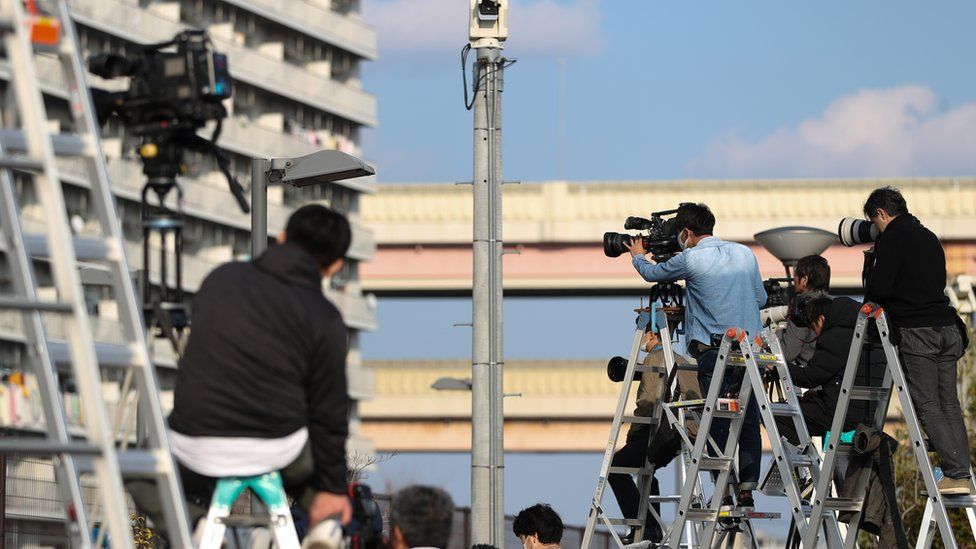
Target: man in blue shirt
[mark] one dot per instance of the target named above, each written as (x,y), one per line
(723,289)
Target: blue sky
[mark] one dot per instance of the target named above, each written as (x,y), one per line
(680,89)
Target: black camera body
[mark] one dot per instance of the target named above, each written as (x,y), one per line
(778,294)
(181,88)
(660,240)
(365,531)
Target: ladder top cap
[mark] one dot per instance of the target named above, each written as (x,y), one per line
(866,308)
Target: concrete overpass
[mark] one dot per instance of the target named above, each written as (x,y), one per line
(424,230)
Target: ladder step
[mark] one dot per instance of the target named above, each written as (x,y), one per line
(629,470)
(664,499)
(651,369)
(715,463)
(694,403)
(22,164)
(869,393)
(108,354)
(86,248)
(639,419)
(842,504)
(624,522)
(45,447)
(783,409)
(959,501)
(42,306)
(801,460)
(144,463)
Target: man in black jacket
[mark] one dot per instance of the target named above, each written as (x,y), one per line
(908,279)
(832,321)
(262,384)
(811,278)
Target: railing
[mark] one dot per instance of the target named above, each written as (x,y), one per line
(349,33)
(257,69)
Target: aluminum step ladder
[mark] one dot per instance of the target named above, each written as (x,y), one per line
(735,352)
(94,450)
(652,318)
(935,516)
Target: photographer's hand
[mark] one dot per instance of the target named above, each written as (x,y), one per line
(327,504)
(636,247)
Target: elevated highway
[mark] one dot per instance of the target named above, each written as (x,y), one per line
(423,230)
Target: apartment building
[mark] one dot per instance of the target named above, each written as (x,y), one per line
(297,88)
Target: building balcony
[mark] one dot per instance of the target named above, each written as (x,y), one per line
(348,33)
(135,24)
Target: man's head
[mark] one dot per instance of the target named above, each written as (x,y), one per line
(883,205)
(650,340)
(538,526)
(323,233)
(694,222)
(811,274)
(812,313)
(421,516)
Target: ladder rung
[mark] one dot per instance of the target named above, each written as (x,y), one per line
(246,521)
(108,354)
(651,369)
(783,409)
(800,460)
(42,306)
(664,499)
(86,248)
(45,447)
(726,413)
(639,419)
(144,463)
(23,164)
(715,463)
(842,504)
(625,522)
(696,403)
(959,501)
(869,393)
(701,514)
(629,470)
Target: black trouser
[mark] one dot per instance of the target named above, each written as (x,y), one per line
(818,423)
(929,357)
(666,445)
(198,490)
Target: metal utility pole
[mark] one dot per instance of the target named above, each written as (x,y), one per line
(488,28)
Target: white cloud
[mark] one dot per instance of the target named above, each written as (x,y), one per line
(893,132)
(536,27)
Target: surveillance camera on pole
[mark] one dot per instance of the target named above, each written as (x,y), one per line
(488,23)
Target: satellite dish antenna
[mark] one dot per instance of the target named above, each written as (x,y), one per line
(789,244)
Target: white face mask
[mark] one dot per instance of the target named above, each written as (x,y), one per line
(682,243)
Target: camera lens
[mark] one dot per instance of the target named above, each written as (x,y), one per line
(853,231)
(614,244)
(617,369)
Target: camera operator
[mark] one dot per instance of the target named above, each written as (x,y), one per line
(811,279)
(908,279)
(723,289)
(831,320)
(262,385)
(638,449)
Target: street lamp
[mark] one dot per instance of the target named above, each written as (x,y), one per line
(451,384)
(319,167)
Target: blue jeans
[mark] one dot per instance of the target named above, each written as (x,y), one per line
(750,441)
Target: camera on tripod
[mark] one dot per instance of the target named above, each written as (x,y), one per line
(176,88)
(661,239)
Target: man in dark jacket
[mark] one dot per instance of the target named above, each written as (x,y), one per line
(908,279)
(832,322)
(811,278)
(262,385)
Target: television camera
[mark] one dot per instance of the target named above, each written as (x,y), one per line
(660,240)
(176,88)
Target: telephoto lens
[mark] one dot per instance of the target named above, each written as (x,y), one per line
(853,231)
(617,369)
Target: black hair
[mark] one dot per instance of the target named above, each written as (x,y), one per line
(322,232)
(817,271)
(888,199)
(424,515)
(810,309)
(697,218)
(539,520)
